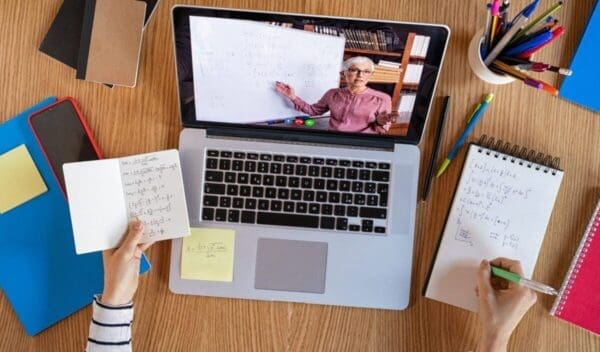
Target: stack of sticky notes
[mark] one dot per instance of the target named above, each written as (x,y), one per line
(20,180)
(207,254)
(101,39)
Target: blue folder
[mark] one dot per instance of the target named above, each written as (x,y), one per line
(580,88)
(41,275)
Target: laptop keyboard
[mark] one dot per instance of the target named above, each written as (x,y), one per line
(296,190)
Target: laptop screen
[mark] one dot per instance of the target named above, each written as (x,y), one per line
(306,73)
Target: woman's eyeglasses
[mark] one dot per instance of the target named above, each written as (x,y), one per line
(355,71)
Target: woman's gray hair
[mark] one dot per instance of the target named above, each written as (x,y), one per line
(358,60)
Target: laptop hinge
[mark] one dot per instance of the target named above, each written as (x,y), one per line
(371,142)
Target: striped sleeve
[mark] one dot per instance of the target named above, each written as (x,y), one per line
(110,328)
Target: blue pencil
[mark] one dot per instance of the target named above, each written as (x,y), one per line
(463,137)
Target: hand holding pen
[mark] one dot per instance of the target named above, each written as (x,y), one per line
(502,304)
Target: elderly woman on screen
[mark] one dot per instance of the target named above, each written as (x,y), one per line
(355,108)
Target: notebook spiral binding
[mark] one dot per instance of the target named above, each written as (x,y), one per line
(586,243)
(518,154)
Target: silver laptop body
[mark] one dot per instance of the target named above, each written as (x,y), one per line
(305,264)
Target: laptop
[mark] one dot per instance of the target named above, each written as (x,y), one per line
(300,134)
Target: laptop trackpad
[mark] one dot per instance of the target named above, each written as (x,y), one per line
(286,265)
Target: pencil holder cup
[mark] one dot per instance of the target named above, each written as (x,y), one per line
(478,66)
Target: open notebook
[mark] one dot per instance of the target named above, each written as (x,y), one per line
(501,208)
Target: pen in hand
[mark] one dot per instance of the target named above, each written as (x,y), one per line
(534,285)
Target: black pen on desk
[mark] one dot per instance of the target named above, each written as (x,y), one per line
(436,147)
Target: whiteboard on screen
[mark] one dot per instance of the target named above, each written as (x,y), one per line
(237,62)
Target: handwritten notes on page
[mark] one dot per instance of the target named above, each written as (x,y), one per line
(501,208)
(20,180)
(153,189)
(207,254)
(105,195)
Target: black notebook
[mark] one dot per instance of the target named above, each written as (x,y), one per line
(62,40)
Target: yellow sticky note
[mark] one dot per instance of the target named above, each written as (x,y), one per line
(20,180)
(207,254)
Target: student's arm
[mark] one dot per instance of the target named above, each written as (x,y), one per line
(110,328)
(502,304)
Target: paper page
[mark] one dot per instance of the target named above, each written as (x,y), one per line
(153,189)
(500,209)
(96,204)
(207,254)
(20,180)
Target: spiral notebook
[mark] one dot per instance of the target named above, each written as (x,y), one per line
(501,208)
(578,301)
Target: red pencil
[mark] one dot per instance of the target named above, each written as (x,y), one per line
(555,34)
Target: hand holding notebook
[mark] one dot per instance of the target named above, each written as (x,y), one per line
(104,195)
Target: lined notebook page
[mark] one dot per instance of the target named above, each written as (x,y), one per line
(500,209)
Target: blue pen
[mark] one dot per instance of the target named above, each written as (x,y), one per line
(529,44)
(463,137)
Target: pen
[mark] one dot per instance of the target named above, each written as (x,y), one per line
(488,23)
(504,8)
(524,77)
(530,44)
(495,11)
(551,10)
(543,25)
(536,67)
(518,75)
(555,34)
(504,15)
(534,285)
(463,137)
(517,24)
(560,70)
(515,61)
(436,147)
(528,37)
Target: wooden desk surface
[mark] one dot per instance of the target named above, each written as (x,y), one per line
(127,121)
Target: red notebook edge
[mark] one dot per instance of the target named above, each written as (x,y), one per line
(578,301)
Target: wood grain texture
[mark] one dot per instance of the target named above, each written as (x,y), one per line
(127,121)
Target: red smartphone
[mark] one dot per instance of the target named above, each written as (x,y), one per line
(64,136)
